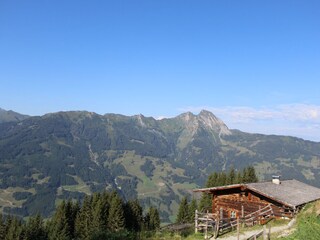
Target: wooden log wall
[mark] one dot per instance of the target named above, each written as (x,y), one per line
(245,203)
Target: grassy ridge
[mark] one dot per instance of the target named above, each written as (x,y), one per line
(308,223)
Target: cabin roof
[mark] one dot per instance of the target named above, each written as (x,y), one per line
(290,192)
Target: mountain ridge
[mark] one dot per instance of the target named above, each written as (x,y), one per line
(11,116)
(72,153)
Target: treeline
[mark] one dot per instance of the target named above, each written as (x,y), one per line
(247,175)
(187,209)
(100,216)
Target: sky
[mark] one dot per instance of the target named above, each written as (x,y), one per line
(254,64)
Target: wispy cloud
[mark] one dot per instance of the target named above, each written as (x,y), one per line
(301,120)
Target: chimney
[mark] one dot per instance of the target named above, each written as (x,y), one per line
(276,179)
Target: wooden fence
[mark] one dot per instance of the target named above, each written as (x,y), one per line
(208,222)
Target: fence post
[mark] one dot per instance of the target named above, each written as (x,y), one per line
(216,233)
(242,211)
(242,215)
(207,220)
(196,221)
(259,216)
(238,229)
(269,234)
(264,232)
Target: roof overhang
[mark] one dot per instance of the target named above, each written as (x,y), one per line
(243,187)
(213,189)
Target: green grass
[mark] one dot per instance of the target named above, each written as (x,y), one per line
(7,199)
(187,234)
(308,224)
(35,176)
(80,187)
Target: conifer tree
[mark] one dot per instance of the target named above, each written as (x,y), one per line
(193,206)
(239,178)
(116,218)
(183,212)
(222,179)
(13,229)
(152,219)
(252,177)
(105,206)
(245,177)
(2,227)
(71,212)
(212,180)
(133,215)
(34,229)
(83,220)
(231,178)
(205,202)
(58,228)
(96,209)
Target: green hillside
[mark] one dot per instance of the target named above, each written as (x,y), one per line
(308,223)
(71,154)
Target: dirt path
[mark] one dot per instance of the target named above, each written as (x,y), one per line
(247,234)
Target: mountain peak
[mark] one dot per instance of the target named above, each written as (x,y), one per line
(206,113)
(212,122)
(11,116)
(141,119)
(206,119)
(187,116)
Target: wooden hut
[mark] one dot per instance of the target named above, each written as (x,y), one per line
(278,198)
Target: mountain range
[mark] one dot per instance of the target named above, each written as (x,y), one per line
(45,159)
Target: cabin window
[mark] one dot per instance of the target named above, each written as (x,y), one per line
(233,214)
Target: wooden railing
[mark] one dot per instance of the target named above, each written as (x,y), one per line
(208,221)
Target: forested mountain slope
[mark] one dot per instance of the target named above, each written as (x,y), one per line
(11,116)
(69,154)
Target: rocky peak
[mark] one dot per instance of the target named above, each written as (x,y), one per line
(141,120)
(205,119)
(209,120)
(187,117)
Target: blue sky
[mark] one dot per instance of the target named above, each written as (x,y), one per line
(255,64)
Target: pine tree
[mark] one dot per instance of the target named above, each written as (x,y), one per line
(252,177)
(34,229)
(105,206)
(83,220)
(58,228)
(222,179)
(205,202)
(133,215)
(212,180)
(71,212)
(116,219)
(13,229)
(2,227)
(193,206)
(239,178)
(249,175)
(96,207)
(231,178)
(152,219)
(245,176)
(183,212)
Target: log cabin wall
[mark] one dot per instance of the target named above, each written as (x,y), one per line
(239,202)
